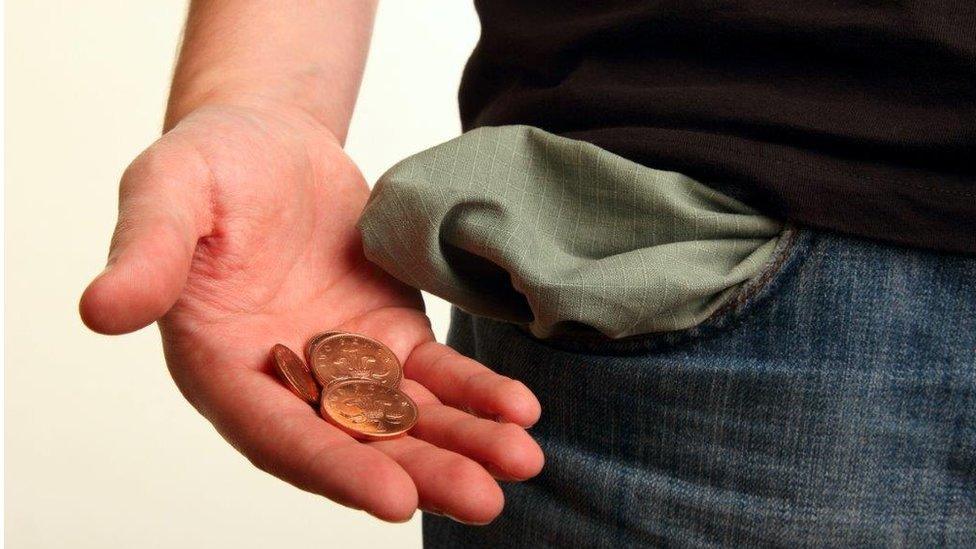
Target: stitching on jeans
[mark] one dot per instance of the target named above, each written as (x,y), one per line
(770,270)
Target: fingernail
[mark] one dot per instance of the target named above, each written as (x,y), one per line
(397,521)
(469,523)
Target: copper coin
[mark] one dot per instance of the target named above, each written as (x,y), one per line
(295,374)
(313,341)
(367,410)
(350,356)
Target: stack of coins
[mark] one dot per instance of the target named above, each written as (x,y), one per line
(353,380)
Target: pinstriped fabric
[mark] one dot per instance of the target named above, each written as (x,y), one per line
(521,225)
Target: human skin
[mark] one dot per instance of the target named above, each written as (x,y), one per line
(237,231)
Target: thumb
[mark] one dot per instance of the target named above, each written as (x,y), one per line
(164,208)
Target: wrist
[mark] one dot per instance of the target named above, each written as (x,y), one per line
(296,93)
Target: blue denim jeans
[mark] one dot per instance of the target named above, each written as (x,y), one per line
(831,403)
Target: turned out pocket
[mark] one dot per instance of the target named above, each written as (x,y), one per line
(767,287)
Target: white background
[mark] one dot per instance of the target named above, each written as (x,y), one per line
(102,451)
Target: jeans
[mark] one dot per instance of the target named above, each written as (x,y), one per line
(831,403)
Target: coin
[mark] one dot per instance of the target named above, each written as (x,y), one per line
(295,374)
(368,410)
(313,341)
(346,356)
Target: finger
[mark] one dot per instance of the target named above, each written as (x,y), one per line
(504,449)
(164,208)
(464,383)
(283,436)
(447,483)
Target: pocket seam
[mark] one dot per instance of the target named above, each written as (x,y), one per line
(785,251)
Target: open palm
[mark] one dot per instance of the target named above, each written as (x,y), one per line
(237,231)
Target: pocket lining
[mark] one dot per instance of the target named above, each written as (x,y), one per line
(791,248)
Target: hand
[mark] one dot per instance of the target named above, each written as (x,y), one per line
(237,231)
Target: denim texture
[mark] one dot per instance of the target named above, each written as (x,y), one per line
(833,403)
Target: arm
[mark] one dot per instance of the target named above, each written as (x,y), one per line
(299,54)
(237,231)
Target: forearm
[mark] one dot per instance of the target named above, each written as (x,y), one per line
(302,54)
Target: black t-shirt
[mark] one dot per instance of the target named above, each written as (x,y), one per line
(852,115)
